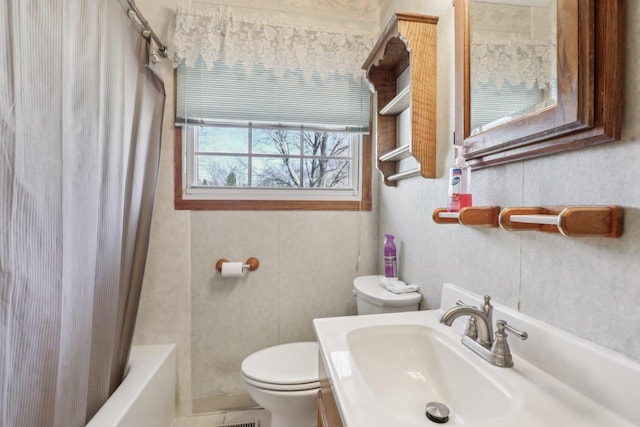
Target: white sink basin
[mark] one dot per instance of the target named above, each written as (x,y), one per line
(385,368)
(406,366)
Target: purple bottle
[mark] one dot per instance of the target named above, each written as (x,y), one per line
(390,260)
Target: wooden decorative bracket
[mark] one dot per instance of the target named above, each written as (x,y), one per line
(570,221)
(472,216)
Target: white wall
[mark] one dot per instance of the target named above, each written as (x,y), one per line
(308,259)
(588,286)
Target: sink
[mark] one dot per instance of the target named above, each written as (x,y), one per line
(407,366)
(385,368)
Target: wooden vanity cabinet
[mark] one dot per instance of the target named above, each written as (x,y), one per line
(328,413)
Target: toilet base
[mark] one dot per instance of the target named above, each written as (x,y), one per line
(288,409)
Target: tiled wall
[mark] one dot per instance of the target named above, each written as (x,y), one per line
(588,286)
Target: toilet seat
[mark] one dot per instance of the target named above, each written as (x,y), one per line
(282,387)
(284,367)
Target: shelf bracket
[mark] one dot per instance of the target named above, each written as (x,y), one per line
(570,221)
(471,216)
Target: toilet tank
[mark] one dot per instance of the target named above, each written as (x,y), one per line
(373,298)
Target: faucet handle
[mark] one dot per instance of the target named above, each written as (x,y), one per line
(471,330)
(461,303)
(487,308)
(484,307)
(502,326)
(500,348)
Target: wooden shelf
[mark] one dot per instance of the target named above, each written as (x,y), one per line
(570,221)
(388,60)
(471,216)
(398,104)
(399,153)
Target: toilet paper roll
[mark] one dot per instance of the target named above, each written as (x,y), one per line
(231,269)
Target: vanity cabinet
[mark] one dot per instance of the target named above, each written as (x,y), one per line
(328,414)
(402,71)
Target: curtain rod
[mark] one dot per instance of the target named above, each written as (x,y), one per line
(147,32)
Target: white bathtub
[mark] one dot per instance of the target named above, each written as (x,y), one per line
(146,397)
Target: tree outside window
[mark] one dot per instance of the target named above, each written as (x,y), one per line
(254,157)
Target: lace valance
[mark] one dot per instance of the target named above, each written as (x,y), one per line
(275,40)
(513,44)
(514,61)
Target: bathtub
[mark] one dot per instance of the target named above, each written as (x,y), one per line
(146,397)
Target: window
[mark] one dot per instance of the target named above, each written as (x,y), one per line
(241,167)
(253,163)
(257,140)
(273,111)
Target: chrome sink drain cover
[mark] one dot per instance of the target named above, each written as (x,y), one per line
(437,412)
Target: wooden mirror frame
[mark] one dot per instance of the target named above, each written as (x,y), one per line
(589,106)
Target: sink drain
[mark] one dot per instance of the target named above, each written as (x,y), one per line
(437,412)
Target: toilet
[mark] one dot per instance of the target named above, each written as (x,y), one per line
(283,379)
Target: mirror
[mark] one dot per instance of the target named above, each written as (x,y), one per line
(534,77)
(512,60)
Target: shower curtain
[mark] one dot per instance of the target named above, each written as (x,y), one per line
(80,126)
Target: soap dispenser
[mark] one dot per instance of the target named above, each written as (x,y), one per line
(459,193)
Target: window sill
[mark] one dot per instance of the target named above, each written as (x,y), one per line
(270,205)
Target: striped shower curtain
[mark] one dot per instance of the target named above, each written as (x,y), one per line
(80,123)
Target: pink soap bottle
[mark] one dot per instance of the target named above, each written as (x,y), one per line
(459,193)
(390,258)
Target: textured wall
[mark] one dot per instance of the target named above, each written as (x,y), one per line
(587,286)
(308,262)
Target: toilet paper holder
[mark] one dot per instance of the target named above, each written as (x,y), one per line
(250,264)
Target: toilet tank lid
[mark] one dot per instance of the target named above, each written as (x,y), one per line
(292,363)
(369,288)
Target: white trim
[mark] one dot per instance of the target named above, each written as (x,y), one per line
(191,192)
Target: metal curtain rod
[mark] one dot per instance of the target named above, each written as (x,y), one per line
(134,12)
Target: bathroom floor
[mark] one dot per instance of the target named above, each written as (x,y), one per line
(225,418)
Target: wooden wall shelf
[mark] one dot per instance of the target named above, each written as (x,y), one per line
(407,47)
(570,221)
(472,216)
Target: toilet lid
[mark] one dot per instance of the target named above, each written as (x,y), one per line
(369,289)
(293,363)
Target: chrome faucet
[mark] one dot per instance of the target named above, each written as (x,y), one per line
(480,323)
(478,334)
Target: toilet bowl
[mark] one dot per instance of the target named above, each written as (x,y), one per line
(283,379)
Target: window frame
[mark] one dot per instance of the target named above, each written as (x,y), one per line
(188,202)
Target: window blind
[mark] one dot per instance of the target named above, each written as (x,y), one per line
(232,94)
(489,105)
